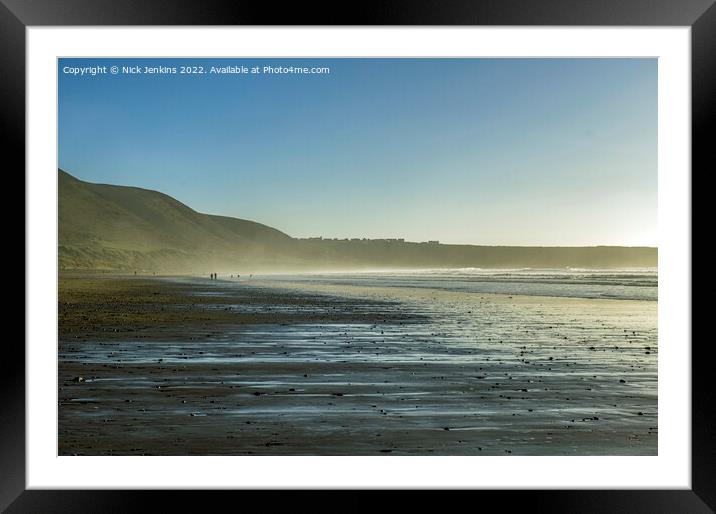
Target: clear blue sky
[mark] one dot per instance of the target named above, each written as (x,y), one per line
(479,151)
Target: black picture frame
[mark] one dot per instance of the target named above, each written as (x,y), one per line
(17,15)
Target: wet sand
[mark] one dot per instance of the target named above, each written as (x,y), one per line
(199,367)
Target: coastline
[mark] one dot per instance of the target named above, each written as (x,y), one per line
(183,367)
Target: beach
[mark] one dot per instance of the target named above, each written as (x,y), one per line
(295,366)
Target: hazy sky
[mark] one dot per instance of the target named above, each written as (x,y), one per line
(480,151)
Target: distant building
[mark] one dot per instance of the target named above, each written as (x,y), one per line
(433,242)
(356,239)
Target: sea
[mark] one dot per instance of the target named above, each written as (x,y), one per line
(623,284)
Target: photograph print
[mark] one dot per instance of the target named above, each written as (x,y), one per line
(374,256)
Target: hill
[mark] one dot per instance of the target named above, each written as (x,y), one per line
(121,228)
(118,227)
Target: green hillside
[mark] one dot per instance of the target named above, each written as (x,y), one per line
(118,227)
(127,228)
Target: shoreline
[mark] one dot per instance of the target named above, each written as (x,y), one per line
(358,290)
(199,367)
